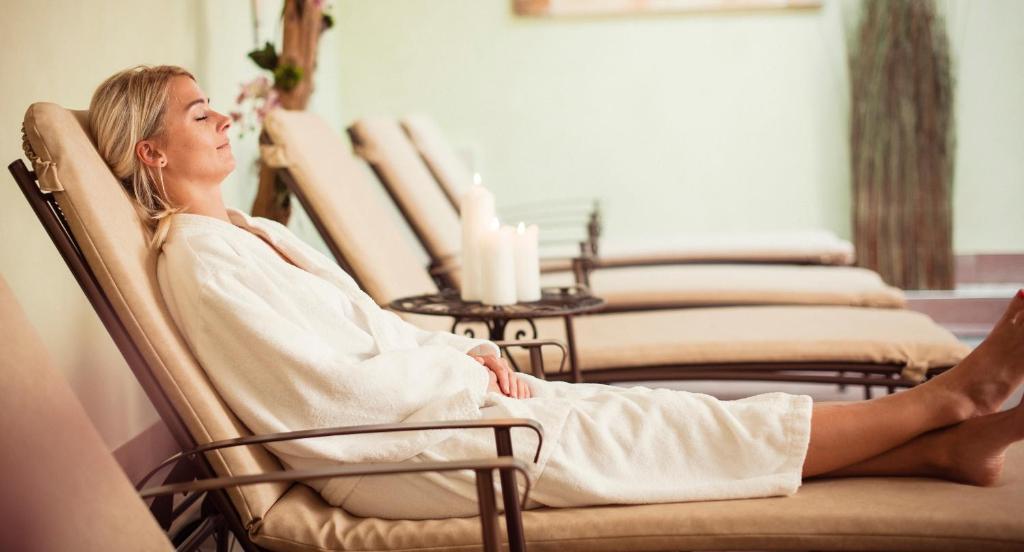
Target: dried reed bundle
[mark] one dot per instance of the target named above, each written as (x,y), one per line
(901,144)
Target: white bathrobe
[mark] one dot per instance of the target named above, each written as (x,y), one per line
(292,348)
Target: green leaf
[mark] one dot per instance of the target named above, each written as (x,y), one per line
(287,77)
(265,58)
(328,22)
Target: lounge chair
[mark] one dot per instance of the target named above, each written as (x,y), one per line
(808,247)
(625,287)
(94,225)
(115,266)
(771,343)
(63,489)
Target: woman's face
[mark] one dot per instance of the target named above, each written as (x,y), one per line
(193,143)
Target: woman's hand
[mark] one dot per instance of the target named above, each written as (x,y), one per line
(504,380)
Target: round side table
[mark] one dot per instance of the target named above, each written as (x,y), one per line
(563,302)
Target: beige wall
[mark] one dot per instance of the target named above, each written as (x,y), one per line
(95,39)
(680,122)
(59,50)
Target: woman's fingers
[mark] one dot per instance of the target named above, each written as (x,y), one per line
(513,384)
(502,373)
(492,382)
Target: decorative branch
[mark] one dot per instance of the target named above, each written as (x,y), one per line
(901,144)
(292,70)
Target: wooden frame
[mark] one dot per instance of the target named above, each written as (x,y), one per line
(631,7)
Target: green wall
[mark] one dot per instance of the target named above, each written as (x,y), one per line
(680,123)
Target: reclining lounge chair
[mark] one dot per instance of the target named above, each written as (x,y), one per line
(58,468)
(811,247)
(96,228)
(624,286)
(769,343)
(862,514)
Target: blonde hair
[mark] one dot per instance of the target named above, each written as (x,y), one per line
(127,108)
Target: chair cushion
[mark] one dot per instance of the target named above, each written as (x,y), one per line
(826,514)
(381,141)
(353,209)
(114,241)
(448,169)
(804,246)
(757,334)
(688,285)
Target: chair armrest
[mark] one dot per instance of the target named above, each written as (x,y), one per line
(504,463)
(482,471)
(498,425)
(537,344)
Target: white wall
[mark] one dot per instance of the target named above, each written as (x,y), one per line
(679,122)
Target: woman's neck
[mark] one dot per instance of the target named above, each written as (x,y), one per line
(202,200)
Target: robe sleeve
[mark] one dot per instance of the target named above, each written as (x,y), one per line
(278,376)
(466,345)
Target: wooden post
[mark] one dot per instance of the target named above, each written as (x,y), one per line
(303,24)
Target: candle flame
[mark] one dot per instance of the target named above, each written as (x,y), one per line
(521,229)
(495,223)
(476,178)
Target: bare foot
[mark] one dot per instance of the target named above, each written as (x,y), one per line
(995,369)
(972,452)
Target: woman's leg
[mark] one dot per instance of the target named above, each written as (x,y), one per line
(969,452)
(843,435)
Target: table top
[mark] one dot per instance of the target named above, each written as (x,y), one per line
(559,301)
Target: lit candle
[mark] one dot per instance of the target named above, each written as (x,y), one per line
(498,265)
(477,211)
(527,263)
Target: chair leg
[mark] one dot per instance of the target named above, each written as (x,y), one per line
(510,495)
(223,538)
(488,512)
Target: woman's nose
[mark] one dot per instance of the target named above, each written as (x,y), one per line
(224,123)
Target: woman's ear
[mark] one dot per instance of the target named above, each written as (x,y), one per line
(148,153)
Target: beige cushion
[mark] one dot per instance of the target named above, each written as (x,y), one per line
(354,212)
(114,242)
(837,514)
(677,338)
(759,334)
(448,169)
(62,489)
(816,247)
(687,285)
(799,246)
(381,141)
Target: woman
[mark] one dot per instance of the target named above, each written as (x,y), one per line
(290,342)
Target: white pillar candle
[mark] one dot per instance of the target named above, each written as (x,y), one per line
(527,263)
(477,212)
(498,266)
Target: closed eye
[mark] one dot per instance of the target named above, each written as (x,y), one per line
(203,118)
